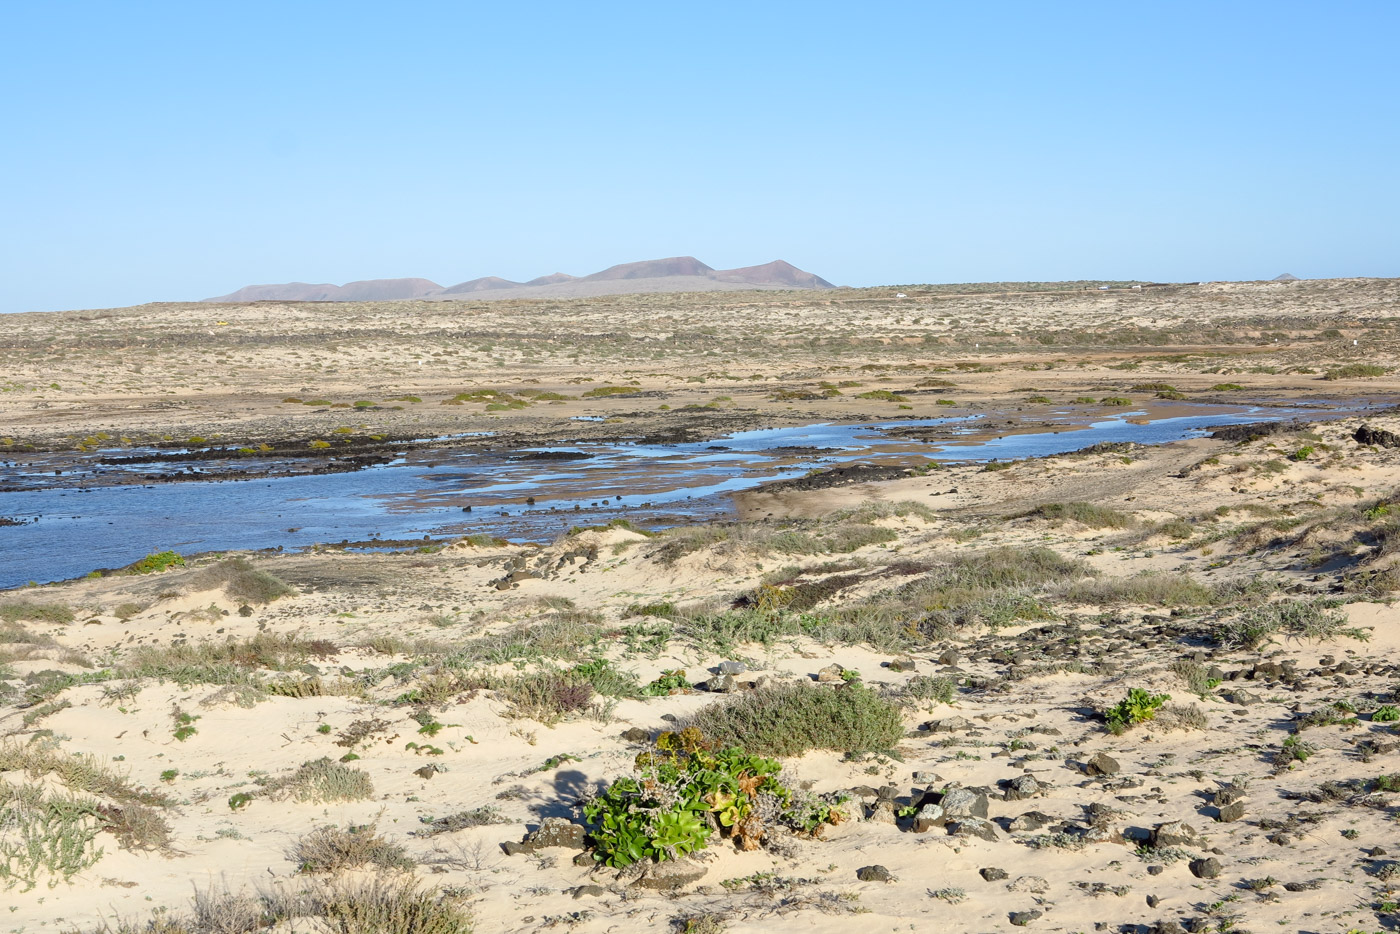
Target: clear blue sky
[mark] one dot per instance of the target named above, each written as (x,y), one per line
(166,151)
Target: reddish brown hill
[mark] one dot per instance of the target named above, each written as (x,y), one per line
(365,290)
(778,272)
(553,278)
(673,274)
(484,284)
(653,269)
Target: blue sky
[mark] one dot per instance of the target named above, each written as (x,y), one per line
(175,151)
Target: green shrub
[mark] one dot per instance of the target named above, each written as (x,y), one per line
(49,835)
(1090,514)
(1226,387)
(241,581)
(156,561)
(1354,371)
(1150,588)
(668,682)
(687,782)
(790,719)
(1137,707)
(28,611)
(1386,713)
(1115,400)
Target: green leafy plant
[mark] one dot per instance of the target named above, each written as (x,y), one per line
(157,561)
(686,788)
(668,682)
(169,775)
(1386,713)
(184,724)
(239,801)
(1138,707)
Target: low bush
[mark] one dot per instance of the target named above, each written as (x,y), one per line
(321,780)
(241,581)
(1138,707)
(689,785)
(156,561)
(1317,618)
(1094,516)
(1354,371)
(47,835)
(790,719)
(1150,588)
(330,849)
(29,611)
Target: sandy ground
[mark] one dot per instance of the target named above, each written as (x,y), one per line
(1262,519)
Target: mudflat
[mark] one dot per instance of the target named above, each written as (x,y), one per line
(1142,685)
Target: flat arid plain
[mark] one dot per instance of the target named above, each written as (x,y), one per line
(1126,688)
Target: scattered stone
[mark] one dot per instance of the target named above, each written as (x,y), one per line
(928,817)
(556,831)
(513,848)
(1030,821)
(1231,812)
(1153,901)
(1022,787)
(949,657)
(1208,868)
(1377,436)
(1103,834)
(637,735)
(993,874)
(429,770)
(1101,763)
(974,827)
(875,873)
(1023,918)
(1156,869)
(1174,833)
(720,684)
(963,802)
(594,891)
(1171,926)
(882,813)
(927,778)
(830,673)
(948,725)
(1241,697)
(732,668)
(1375,852)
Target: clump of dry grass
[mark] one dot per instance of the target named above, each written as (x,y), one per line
(15,611)
(1086,514)
(377,905)
(790,719)
(321,780)
(79,773)
(330,849)
(241,581)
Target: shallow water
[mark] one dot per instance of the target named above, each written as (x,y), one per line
(77,528)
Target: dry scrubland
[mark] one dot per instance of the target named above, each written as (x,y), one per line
(1129,688)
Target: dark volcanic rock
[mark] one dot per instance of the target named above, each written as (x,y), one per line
(1377,436)
(1208,868)
(1101,763)
(875,873)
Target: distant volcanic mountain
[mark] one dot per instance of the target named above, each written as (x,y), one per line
(674,274)
(367,290)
